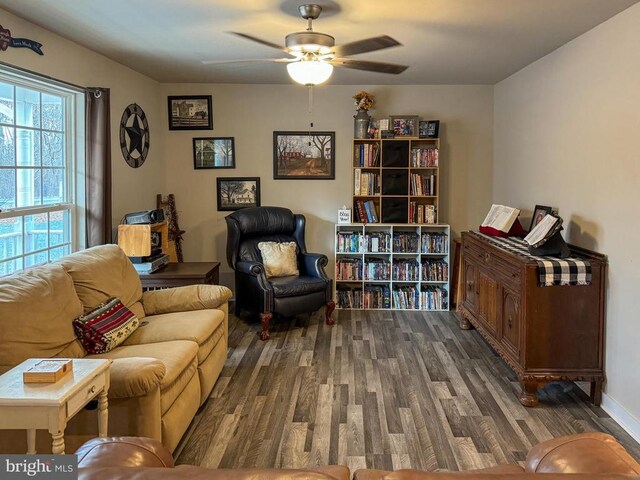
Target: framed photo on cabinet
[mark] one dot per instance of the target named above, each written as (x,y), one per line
(538,214)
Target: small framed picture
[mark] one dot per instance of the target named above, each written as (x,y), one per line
(190,112)
(214,152)
(429,128)
(304,155)
(538,214)
(404,125)
(433,128)
(235,193)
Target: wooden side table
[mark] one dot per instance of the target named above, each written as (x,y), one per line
(50,406)
(181,274)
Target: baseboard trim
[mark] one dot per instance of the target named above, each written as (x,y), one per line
(616,411)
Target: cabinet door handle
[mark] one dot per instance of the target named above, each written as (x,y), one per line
(510,322)
(487,258)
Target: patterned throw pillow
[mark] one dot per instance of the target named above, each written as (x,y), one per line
(105,327)
(279,259)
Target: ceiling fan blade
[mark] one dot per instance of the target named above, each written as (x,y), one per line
(369,66)
(251,60)
(259,40)
(366,45)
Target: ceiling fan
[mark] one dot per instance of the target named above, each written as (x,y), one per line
(312,55)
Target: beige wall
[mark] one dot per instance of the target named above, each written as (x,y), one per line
(566,134)
(251,113)
(133,189)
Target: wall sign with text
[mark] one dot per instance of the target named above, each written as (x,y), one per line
(6,41)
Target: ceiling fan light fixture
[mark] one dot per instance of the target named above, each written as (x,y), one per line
(310,72)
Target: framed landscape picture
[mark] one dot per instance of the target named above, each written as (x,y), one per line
(190,112)
(404,125)
(214,152)
(304,156)
(235,193)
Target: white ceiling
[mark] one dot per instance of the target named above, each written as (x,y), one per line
(444,41)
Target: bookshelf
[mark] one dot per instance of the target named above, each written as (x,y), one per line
(392,267)
(396,180)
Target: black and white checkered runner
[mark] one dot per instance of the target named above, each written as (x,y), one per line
(551,271)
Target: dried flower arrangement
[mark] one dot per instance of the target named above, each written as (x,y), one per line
(363,100)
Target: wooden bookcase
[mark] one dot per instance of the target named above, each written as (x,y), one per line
(385,266)
(396,180)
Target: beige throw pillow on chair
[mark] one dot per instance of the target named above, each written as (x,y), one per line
(279,259)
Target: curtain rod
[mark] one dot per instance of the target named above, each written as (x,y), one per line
(48,77)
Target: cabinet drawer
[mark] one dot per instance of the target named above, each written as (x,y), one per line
(86,393)
(508,272)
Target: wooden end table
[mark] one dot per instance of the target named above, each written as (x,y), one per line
(181,274)
(50,406)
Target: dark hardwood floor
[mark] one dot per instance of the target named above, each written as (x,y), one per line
(384,390)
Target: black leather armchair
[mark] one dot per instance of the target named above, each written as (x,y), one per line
(286,296)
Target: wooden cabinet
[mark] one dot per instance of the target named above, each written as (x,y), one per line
(396,180)
(545,333)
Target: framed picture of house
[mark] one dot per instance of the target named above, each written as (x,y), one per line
(190,112)
(235,193)
(304,156)
(214,152)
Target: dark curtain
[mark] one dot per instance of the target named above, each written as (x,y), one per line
(98,184)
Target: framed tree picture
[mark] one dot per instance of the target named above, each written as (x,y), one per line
(214,152)
(304,156)
(235,193)
(190,112)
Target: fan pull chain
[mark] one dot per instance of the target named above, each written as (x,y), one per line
(310,111)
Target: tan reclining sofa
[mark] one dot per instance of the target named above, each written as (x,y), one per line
(160,375)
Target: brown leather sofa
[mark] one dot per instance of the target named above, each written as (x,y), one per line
(137,458)
(594,456)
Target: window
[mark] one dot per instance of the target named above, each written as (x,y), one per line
(41,170)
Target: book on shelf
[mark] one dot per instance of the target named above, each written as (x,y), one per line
(367,208)
(419,213)
(501,217)
(367,155)
(372,209)
(424,157)
(359,210)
